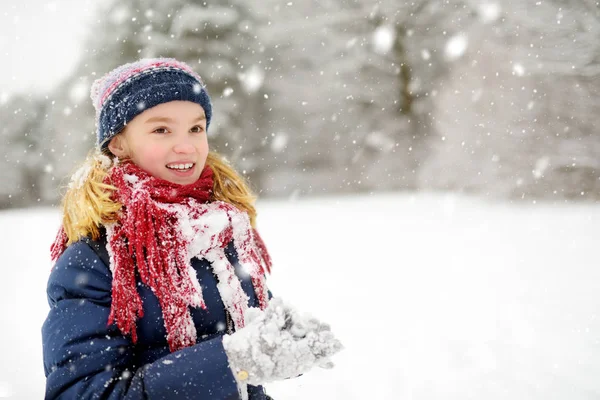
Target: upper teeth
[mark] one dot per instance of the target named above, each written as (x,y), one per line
(180,166)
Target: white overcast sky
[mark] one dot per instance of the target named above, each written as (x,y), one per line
(40,41)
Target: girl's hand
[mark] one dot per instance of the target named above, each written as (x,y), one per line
(279,343)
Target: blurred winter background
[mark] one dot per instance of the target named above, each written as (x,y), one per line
(449,147)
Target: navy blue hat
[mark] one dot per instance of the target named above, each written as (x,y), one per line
(130,89)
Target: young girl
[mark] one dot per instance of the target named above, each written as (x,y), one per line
(158,290)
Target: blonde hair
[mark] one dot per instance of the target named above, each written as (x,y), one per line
(87,203)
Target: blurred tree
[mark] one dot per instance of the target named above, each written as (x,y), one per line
(23,163)
(517,114)
(216,40)
(348,103)
(343,95)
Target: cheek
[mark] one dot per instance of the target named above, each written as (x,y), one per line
(204,148)
(203,151)
(150,155)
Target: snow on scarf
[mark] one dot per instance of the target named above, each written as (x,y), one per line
(161,227)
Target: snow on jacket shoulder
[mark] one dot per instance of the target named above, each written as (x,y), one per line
(85,358)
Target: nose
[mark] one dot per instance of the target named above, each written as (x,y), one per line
(184,147)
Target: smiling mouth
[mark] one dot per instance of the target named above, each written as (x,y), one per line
(181,166)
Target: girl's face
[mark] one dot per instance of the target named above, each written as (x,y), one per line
(168,141)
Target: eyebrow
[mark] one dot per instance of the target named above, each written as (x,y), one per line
(170,120)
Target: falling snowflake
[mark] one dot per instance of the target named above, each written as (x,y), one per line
(279,142)
(541,165)
(79,91)
(489,12)
(228,91)
(379,141)
(253,79)
(221,326)
(518,69)
(383,39)
(456,46)
(119,15)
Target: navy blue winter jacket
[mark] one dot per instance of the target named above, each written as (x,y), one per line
(85,358)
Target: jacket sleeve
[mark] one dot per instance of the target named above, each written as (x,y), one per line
(85,358)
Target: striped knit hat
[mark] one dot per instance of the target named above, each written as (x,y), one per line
(130,89)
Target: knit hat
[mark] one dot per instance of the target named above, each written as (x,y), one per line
(132,88)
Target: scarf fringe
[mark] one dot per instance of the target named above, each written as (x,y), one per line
(161,228)
(59,245)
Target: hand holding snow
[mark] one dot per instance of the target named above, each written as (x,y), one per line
(279,343)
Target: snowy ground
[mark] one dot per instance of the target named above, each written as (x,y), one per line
(434,296)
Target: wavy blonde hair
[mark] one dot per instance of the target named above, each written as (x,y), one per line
(87,203)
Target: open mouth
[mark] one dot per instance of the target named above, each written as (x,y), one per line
(182,167)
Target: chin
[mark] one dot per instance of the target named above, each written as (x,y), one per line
(182,182)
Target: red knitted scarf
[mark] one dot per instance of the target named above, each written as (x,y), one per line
(161,227)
